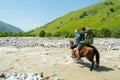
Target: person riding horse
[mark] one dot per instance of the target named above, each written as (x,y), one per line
(85,39)
(75,42)
(84,49)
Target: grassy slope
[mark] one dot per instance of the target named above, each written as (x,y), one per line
(98,16)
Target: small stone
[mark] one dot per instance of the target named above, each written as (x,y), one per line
(45,76)
(58,78)
(2,75)
(119,67)
(115,66)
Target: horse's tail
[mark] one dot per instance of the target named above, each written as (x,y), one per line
(96,53)
(97,56)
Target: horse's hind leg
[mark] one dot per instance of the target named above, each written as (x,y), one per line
(92,66)
(92,61)
(97,66)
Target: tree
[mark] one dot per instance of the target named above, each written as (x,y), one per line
(10,33)
(57,34)
(19,34)
(94,32)
(116,32)
(111,3)
(112,10)
(64,33)
(2,34)
(83,14)
(48,34)
(104,32)
(71,19)
(42,33)
(71,35)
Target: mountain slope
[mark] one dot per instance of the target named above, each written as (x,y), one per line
(4,27)
(102,15)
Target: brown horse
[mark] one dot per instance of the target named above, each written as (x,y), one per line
(88,51)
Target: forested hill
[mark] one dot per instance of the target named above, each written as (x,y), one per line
(4,27)
(101,17)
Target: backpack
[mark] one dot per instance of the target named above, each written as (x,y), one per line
(89,37)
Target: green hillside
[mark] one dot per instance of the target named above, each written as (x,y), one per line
(98,16)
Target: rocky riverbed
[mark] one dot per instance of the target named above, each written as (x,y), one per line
(22,42)
(32,42)
(25,58)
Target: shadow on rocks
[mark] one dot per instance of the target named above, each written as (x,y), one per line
(88,65)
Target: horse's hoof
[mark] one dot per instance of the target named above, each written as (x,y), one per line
(90,69)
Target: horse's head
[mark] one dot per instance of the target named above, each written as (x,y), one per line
(71,42)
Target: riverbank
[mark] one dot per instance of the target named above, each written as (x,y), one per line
(56,61)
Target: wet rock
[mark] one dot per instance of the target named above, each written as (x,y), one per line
(2,75)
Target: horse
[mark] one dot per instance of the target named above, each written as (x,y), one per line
(88,51)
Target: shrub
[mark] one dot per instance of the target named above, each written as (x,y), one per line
(61,22)
(57,27)
(48,34)
(104,32)
(116,32)
(108,13)
(112,10)
(111,3)
(71,19)
(29,34)
(19,34)
(57,34)
(103,19)
(42,33)
(83,14)
(71,35)
(64,33)
(3,34)
(106,3)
